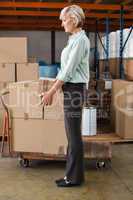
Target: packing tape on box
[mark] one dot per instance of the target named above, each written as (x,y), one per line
(26,84)
(27,64)
(3,65)
(26,116)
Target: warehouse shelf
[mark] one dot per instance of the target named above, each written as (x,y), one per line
(36,15)
(44,15)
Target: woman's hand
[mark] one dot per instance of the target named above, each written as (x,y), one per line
(47,98)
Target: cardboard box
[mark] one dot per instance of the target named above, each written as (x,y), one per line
(117,86)
(54,138)
(122,98)
(45,85)
(13,50)
(7,72)
(128,67)
(56,110)
(122,94)
(27,135)
(124,123)
(113,67)
(24,100)
(27,71)
(34,135)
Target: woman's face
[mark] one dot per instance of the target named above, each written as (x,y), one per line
(68,23)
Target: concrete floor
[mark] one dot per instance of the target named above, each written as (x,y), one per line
(37,182)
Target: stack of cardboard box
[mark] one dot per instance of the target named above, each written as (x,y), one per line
(14,64)
(36,128)
(33,125)
(12,50)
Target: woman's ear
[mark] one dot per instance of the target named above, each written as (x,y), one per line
(74,23)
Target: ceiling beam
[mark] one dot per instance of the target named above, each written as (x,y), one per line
(127,2)
(35,20)
(29,13)
(56,14)
(98,1)
(60,5)
(52,26)
(70,1)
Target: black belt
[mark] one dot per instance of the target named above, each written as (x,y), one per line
(73,86)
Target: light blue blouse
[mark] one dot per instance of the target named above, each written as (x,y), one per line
(75,59)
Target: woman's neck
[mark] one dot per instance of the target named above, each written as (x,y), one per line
(76,30)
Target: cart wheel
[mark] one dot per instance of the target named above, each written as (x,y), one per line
(100,164)
(24,163)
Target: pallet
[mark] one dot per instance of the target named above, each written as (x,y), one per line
(100,151)
(92,150)
(97,147)
(107,137)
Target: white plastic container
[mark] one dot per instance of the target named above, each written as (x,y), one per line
(130,48)
(118,44)
(89,122)
(100,49)
(112,45)
(126,48)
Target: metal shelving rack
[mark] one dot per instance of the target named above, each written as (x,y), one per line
(122,46)
(106,47)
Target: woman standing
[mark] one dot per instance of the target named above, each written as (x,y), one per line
(72,78)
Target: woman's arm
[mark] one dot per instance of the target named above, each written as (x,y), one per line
(48,96)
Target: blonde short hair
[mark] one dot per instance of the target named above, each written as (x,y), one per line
(76,12)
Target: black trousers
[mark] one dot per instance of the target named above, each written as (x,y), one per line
(74,94)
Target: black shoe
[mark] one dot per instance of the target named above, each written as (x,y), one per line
(59,180)
(65,183)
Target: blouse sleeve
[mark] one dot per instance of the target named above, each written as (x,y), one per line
(74,60)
